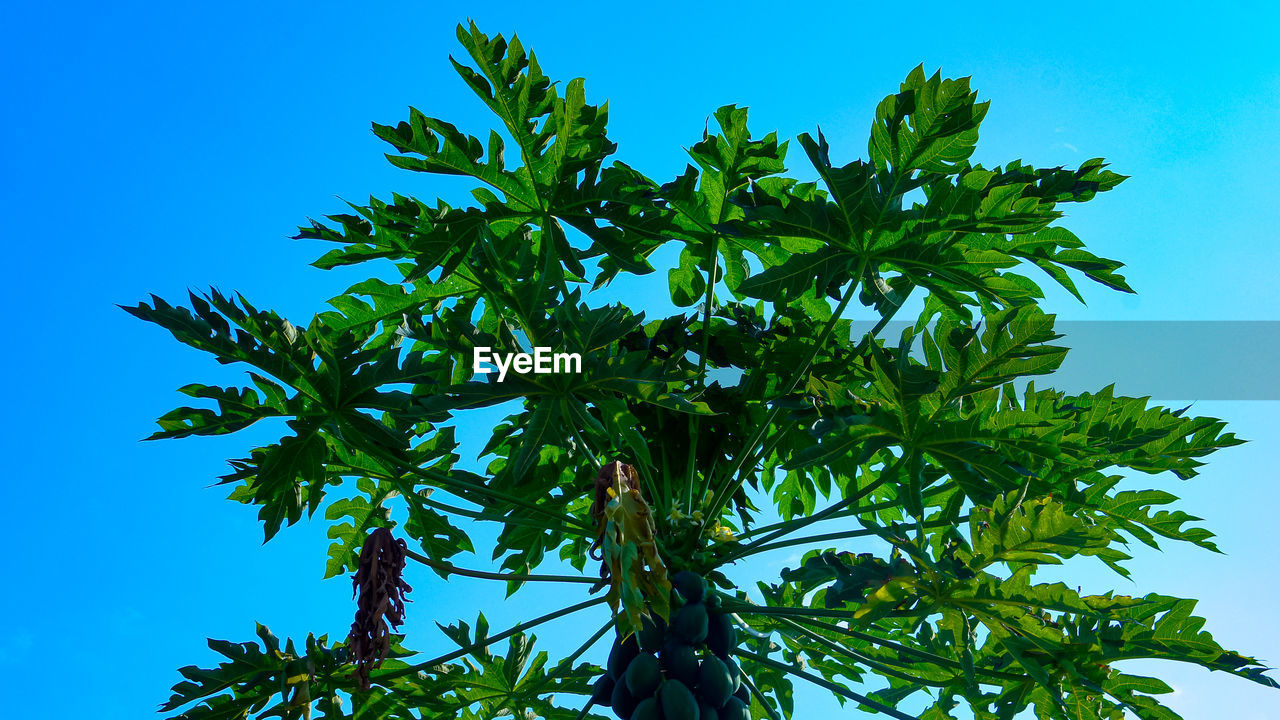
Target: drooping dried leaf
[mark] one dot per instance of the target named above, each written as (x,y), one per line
(630,564)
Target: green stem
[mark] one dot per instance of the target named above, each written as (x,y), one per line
(847,534)
(500,308)
(417,501)
(478,515)
(817,517)
(823,682)
(689,463)
(453,483)
(773,715)
(907,650)
(856,656)
(577,434)
(880,324)
(732,481)
(791,542)
(713,266)
(458,486)
(487,641)
(451,569)
(568,662)
(551,226)
(802,612)
(659,501)
(583,713)
(789,525)
(666,465)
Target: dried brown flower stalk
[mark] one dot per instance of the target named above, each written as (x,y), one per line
(380,588)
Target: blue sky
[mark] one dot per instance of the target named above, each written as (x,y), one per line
(152,147)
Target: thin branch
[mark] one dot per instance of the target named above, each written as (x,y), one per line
(841,649)
(583,713)
(713,263)
(859,350)
(908,650)
(817,517)
(582,442)
(773,715)
(799,612)
(823,682)
(732,479)
(479,515)
(487,641)
(847,534)
(457,484)
(451,569)
(568,661)
(788,525)
(645,476)
(419,500)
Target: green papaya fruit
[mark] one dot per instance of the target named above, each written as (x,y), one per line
(712,601)
(722,635)
(622,701)
(653,630)
(690,624)
(602,691)
(706,712)
(743,693)
(623,652)
(691,586)
(643,675)
(735,709)
(647,709)
(735,674)
(677,701)
(714,682)
(680,661)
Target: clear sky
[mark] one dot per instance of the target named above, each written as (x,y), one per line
(152,147)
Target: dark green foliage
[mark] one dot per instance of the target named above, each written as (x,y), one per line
(923,477)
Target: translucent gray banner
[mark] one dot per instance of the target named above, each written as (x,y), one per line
(1162,359)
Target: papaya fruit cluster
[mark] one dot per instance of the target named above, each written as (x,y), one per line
(683,671)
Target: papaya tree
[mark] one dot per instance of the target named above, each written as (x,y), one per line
(924,475)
